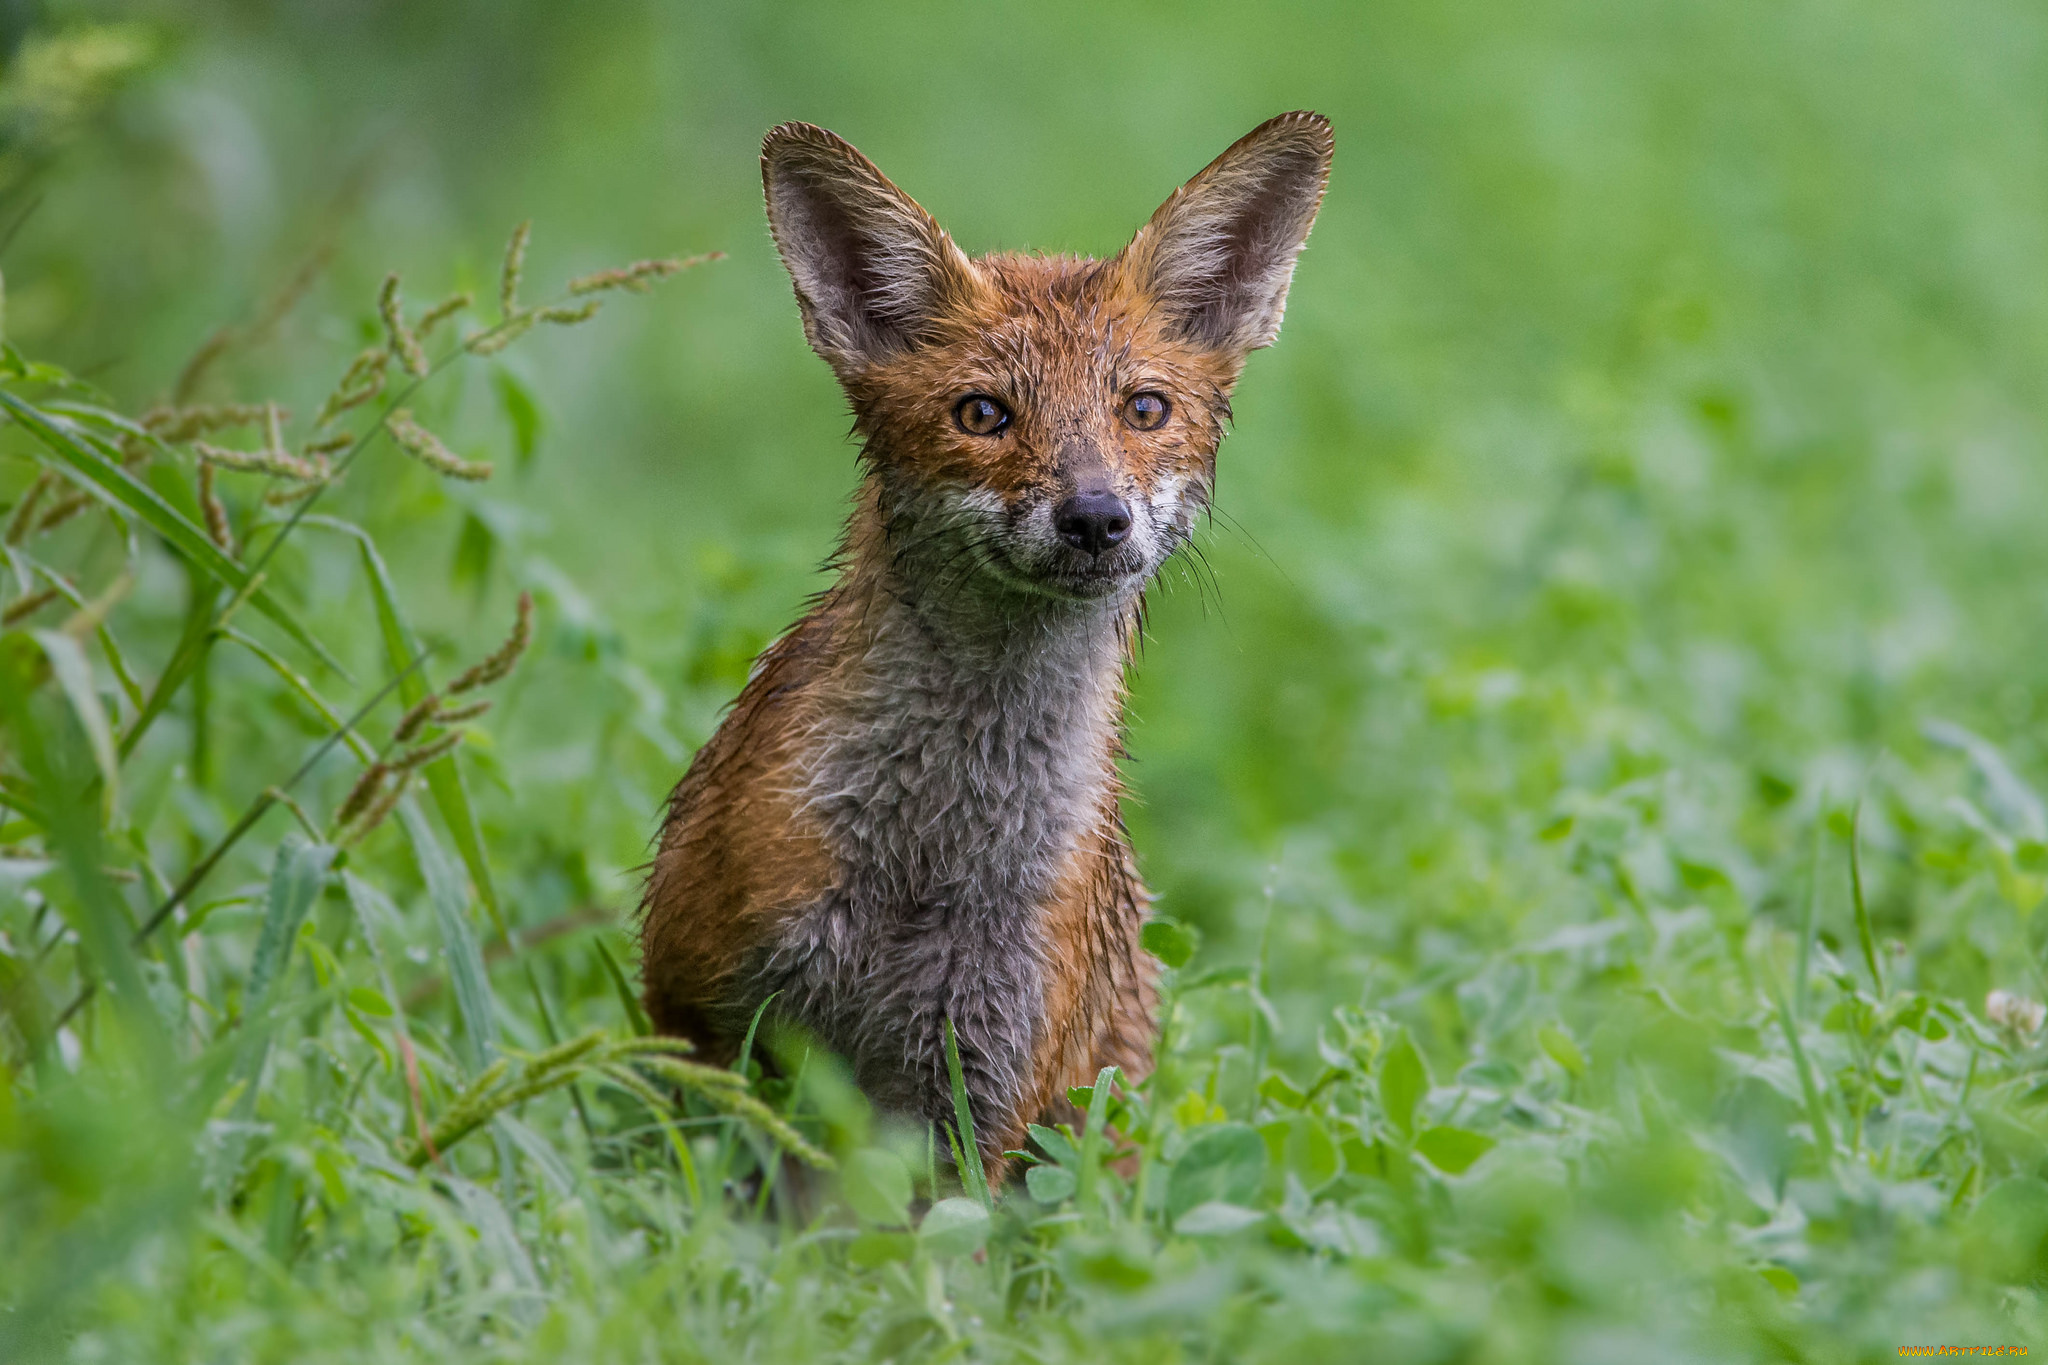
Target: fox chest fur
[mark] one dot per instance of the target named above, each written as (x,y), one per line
(954,785)
(910,817)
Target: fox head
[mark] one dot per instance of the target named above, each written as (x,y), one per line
(1042,426)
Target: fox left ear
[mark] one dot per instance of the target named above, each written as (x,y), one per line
(1220,253)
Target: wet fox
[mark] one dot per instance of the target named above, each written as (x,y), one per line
(911,813)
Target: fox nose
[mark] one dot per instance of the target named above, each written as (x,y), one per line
(1093,521)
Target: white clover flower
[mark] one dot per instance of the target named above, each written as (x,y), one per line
(2015,1012)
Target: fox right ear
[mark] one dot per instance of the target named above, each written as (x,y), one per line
(872,270)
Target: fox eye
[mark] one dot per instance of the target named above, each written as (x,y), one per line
(979,415)
(1147,411)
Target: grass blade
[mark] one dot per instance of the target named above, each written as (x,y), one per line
(73,672)
(1866,936)
(630,1002)
(119,488)
(1091,1133)
(1816,1107)
(971,1174)
(1807,926)
(465,960)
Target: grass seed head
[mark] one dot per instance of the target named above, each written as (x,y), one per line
(427,448)
(25,511)
(515,266)
(378,811)
(506,658)
(277,463)
(412,760)
(63,510)
(639,277)
(363,381)
(217,525)
(327,445)
(415,718)
(175,425)
(455,715)
(441,312)
(496,339)
(569,314)
(365,791)
(194,373)
(21,608)
(399,337)
(299,492)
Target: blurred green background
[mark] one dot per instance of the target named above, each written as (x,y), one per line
(1654,446)
(1686,351)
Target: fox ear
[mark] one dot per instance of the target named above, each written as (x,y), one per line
(873,271)
(1220,253)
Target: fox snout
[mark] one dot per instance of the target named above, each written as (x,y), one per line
(1093,521)
(1075,539)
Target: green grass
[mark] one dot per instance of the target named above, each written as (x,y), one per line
(1592,804)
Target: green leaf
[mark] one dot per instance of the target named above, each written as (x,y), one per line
(1050,1184)
(1780,1279)
(954,1227)
(1309,1151)
(877,1186)
(1226,1163)
(1452,1150)
(371,1002)
(1172,942)
(1217,1219)
(117,487)
(296,876)
(75,834)
(1054,1144)
(1562,1049)
(521,409)
(1404,1080)
(475,548)
(873,1249)
(465,960)
(1282,1091)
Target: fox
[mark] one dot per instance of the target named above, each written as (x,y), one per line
(912,815)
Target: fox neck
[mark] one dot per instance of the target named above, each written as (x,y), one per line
(977,723)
